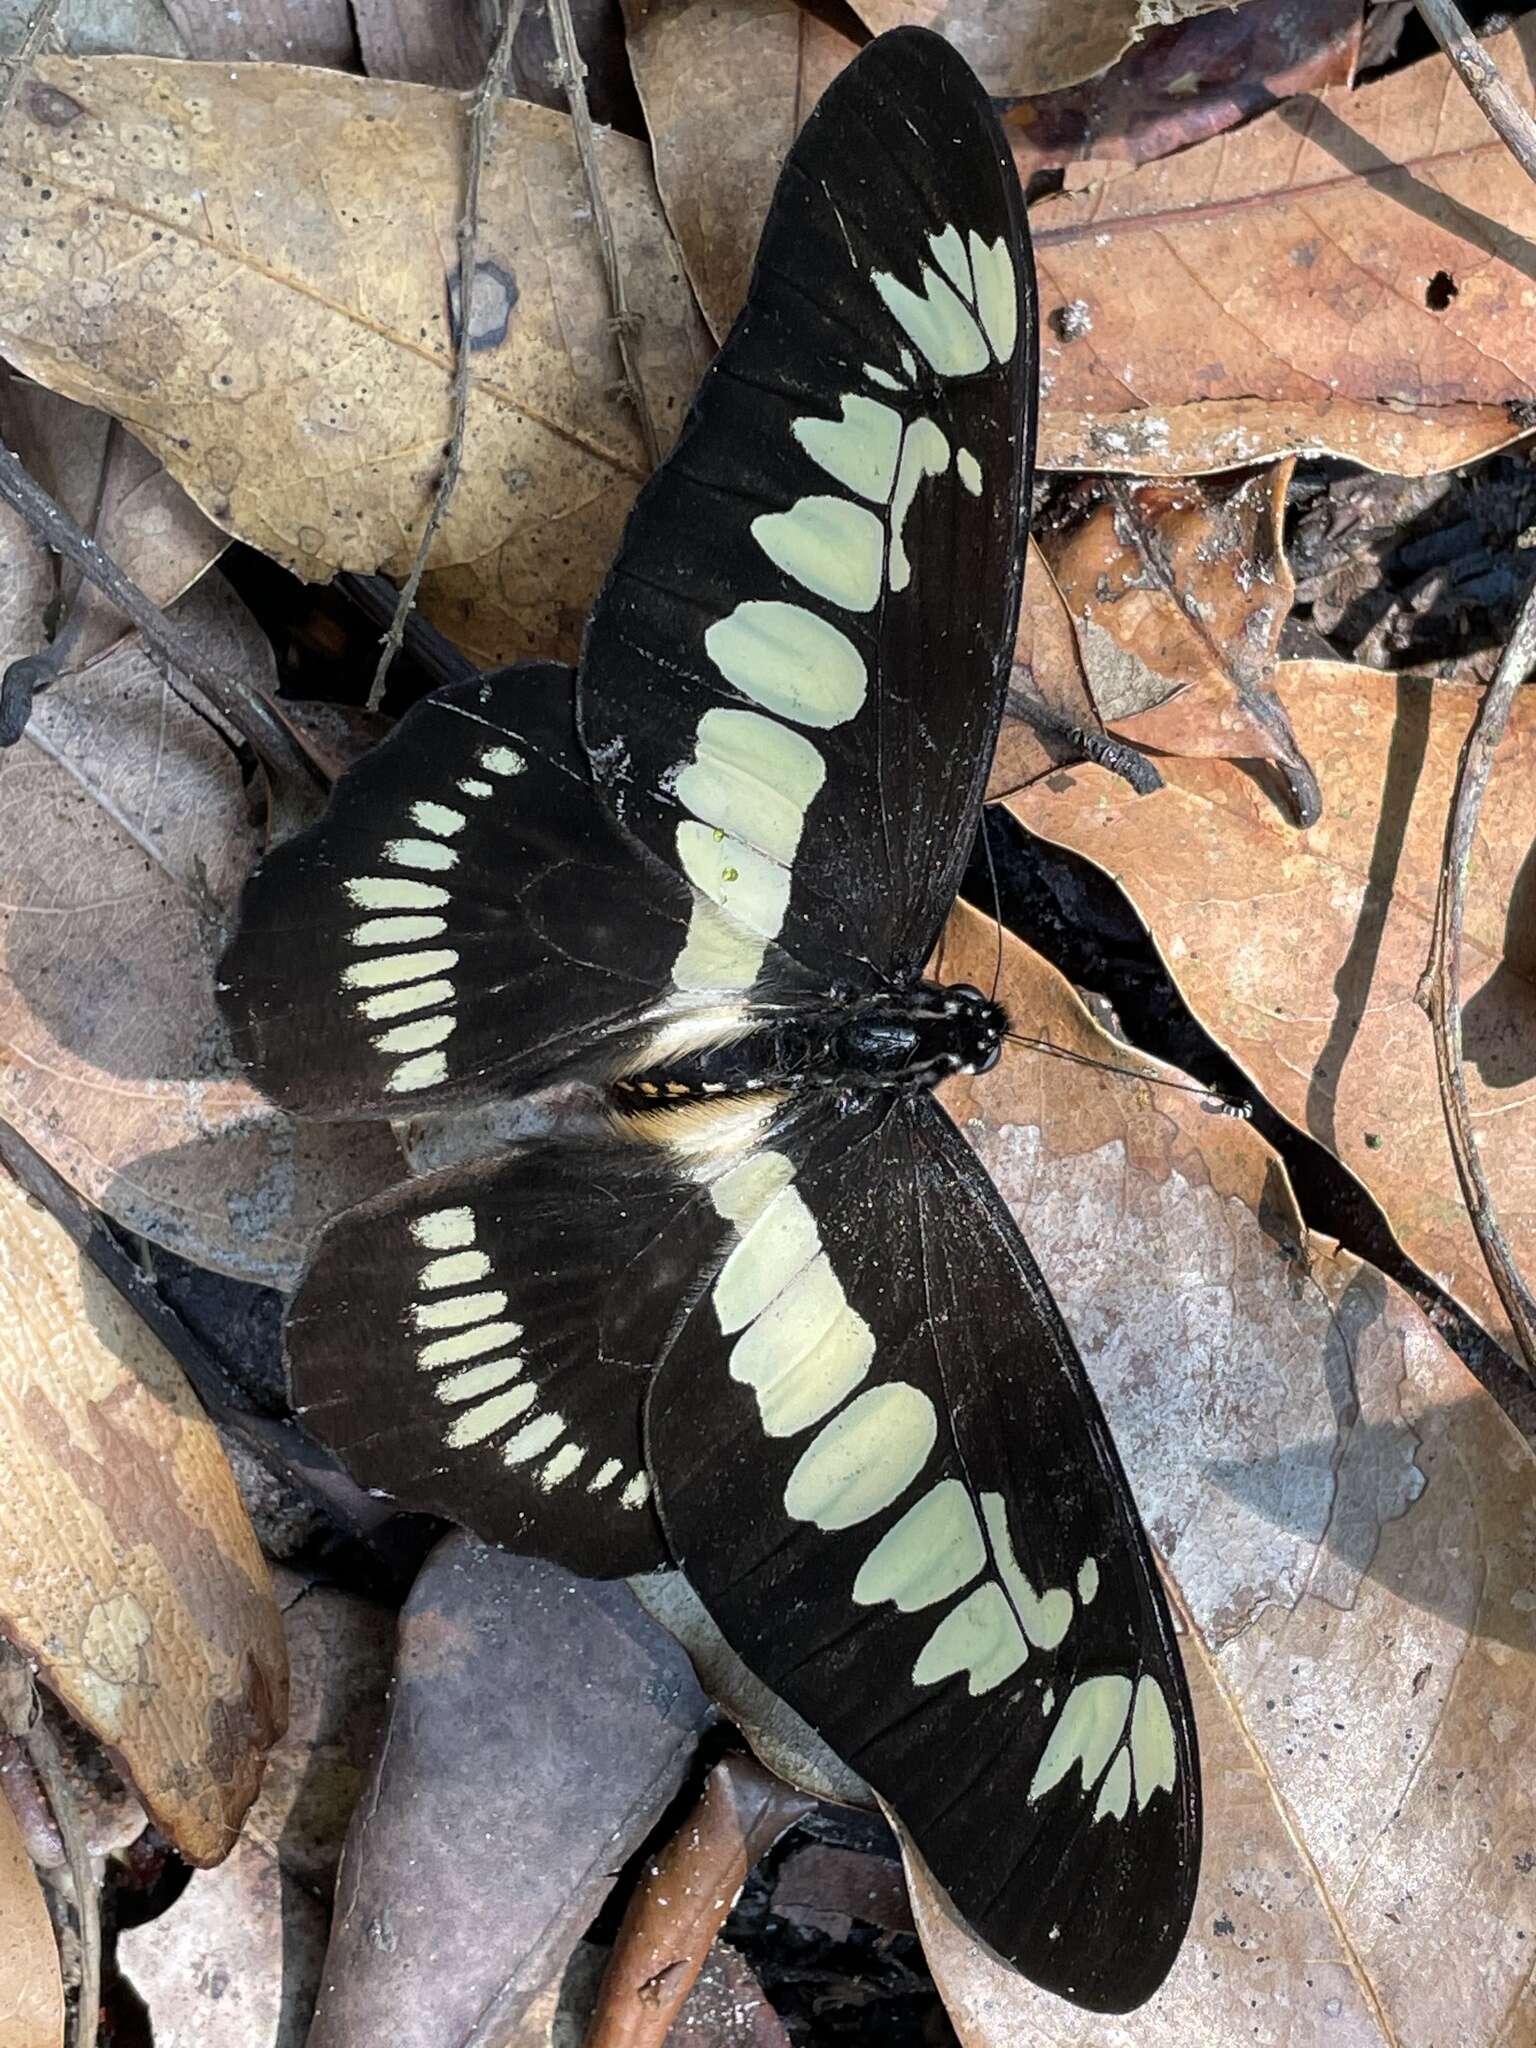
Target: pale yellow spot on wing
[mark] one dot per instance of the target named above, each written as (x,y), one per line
(1086,1734)
(1152,1745)
(979,1637)
(934,1550)
(864,1458)
(833,548)
(789,660)
(859,450)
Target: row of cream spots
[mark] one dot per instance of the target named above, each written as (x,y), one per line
(467,1339)
(410,992)
(752,778)
(805,1351)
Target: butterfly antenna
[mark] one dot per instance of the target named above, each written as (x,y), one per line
(997,905)
(1215,1099)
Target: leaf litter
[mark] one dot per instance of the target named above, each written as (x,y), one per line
(1342,1511)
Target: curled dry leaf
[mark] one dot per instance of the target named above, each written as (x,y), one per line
(31,1987)
(128,1569)
(157,226)
(122,495)
(1345,1519)
(682,1899)
(1049,696)
(1281,288)
(1301,953)
(538,1726)
(285,31)
(125,833)
(1178,593)
(1030,46)
(1182,83)
(725,86)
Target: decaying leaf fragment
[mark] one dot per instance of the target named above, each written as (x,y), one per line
(1274,289)
(125,834)
(1178,593)
(1029,46)
(128,1569)
(31,1988)
(158,229)
(1301,952)
(1049,696)
(1345,1519)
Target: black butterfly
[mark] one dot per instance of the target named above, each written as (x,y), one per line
(771,1322)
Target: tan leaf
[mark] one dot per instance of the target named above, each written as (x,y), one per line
(1271,290)
(1301,952)
(192,234)
(128,1569)
(1346,1518)
(725,89)
(1049,698)
(122,495)
(1180,84)
(1179,593)
(31,1988)
(125,834)
(1029,46)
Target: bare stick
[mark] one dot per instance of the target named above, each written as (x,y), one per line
(482,125)
(21,60)
(21,1716)
(572,74)
(1481,76)
(1439,990)
(235,702)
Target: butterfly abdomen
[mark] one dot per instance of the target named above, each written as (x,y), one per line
(907,1041)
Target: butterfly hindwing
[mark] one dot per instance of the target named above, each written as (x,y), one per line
(880,1463)
(464,920)
(793,676)
(477,1344)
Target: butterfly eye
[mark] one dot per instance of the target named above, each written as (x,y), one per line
(989,1059)
(964,992)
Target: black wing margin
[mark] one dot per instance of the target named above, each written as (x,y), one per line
(465,918)
(793,677)
(879,1460)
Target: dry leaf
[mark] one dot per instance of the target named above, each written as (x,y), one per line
(1049,699)
(1178,593)
(159,231)
(449,42)
(1301,952)
(286,31)
(682,1899)
(1347,1520)
(95,27)
(128,1569)
(125,834)
(827,1889)
(120,493)
(538,1727)
(31,1988)
(725,85)
(1180,84)
(1280,289)
(1030,46)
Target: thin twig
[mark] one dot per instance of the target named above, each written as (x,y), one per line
(1481,76)
(571,74)
(21,60)
(1439,991)
(235,702)
(482,126)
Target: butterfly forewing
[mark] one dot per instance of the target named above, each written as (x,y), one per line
(880,1463)
(793,676)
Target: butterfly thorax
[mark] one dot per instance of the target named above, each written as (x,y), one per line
(904,1041)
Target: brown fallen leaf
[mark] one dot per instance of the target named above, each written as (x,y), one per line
(121,494)
(128,1569)
(682,1899)
(725,86)
(1178,593)
(538,1726)
(125,834)
(235,1961)
(1030,46)
(158,230)
(1276,289)
(1049,697)
(448,42)
(285,31)
(1195,78)
(1301,953)
(31,1987)
(1345,1519)
(827,1889)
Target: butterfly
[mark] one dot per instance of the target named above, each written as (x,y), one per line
(760,1315)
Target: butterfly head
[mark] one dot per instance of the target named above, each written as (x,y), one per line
(979,1026)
